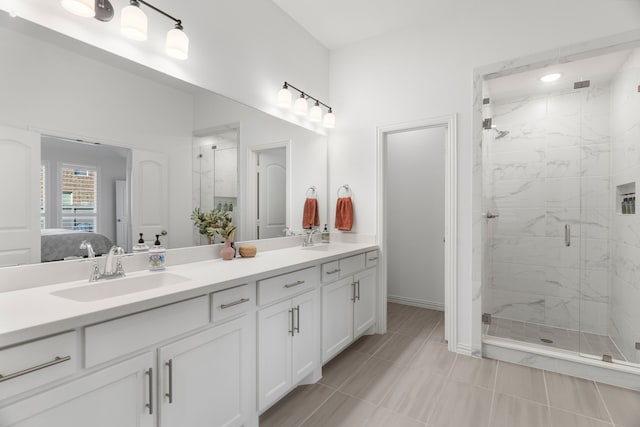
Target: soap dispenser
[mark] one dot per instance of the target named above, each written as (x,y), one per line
(141,246)
(325,235)
(157,256)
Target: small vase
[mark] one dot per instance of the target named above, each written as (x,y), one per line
(227,252)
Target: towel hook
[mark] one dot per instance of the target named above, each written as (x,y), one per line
(347,190)
(313,191)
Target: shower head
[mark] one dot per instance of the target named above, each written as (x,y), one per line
(501,133)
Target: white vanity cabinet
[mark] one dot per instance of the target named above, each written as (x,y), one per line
(205,379)
(288,335)
(121,395)
(348,305)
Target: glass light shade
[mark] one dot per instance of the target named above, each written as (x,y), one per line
(284,98)
(177,45)
(84,8)
(329,121)
(133,23)
(315,114)
(301,106)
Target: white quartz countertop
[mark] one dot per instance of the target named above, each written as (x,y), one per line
(31,313)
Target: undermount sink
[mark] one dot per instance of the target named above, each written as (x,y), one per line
(321,247)
(117,287)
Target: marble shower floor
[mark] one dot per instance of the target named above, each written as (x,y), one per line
(407,378)
(564,339)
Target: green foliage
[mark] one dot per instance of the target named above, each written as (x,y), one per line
(214,222)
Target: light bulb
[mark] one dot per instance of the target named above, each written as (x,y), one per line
(177,45)
(301,106)
(315,114)
(548,78)
(284,97)
(133,22)
(329,120)
(84,8)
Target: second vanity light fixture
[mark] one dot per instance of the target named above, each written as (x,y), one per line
(301,106)
(133,23)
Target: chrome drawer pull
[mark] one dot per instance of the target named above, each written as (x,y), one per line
(291,285)
(150,404)
(55,361)
(231,304)
(170,394)
(373,259)
(337,270)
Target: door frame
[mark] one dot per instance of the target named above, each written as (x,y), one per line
(252,186)
(448,122)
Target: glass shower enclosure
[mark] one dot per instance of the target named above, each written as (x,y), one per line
(561,161)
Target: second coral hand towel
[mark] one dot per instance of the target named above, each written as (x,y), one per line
(344,214)
(310,217)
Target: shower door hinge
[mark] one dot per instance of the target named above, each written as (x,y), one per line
(486,318)
(486,101)
(582,84)
(607,358)
(486,124)
(638,346)
(638,88)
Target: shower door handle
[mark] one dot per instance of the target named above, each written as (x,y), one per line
(491,215)
(567,235)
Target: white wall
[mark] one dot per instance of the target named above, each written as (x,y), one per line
(241,49)
(427,71)
(111,164)
(415,216)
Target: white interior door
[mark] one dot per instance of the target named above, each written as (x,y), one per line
(415,197)
(150,201)
(122,216)
(20,195)
(272,192)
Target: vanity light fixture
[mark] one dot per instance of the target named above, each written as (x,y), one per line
(133,23)
(301,106)
(551,77)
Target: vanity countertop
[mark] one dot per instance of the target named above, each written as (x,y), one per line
(31,313)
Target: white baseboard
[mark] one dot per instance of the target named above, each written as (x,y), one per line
(464,349)
(416,302)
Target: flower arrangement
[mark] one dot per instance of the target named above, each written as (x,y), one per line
(214,222)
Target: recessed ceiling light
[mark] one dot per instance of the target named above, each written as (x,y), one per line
(552,77)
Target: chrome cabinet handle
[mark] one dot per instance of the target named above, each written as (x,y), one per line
(231,304)
(297,327)
(353,292)
(337,270)
(291,322)
(358,287)
(291,285)
(567,235)
(373,259)
(150,404)
(57,360)
(169,364)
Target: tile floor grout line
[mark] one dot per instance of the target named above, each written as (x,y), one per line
(319,406)
(606,408)
(493,394)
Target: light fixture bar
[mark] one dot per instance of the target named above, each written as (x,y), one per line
(306,95)
(176,20)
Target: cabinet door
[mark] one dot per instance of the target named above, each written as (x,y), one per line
(205,379)
(364,309)
(337,317)
(115,396)
(274,352)
(306,334)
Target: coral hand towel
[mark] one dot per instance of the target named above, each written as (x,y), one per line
(344,214)
(310,217)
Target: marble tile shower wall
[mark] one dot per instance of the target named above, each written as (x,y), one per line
(624,326)
(552,169)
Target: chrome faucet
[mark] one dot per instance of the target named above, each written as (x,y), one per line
(308,238)
(113,264)
(91,256)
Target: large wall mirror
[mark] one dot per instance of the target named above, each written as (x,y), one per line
(93,146)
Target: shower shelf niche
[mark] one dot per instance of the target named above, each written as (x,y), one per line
(626,199)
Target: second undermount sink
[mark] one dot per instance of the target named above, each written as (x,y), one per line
(322,247)
(117,287)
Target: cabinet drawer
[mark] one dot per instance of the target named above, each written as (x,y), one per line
(231,302)
(351,265)
(30,365)
(330,271)
(286,285)
(114,338)
(371,258)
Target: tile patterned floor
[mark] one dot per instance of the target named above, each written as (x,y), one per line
(407,378)
(564,339)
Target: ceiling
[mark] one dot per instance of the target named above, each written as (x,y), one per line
(598,69)
(336,23)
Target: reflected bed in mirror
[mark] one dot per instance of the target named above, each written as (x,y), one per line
(55,85)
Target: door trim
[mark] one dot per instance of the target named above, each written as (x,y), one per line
(449,122)
(252,188)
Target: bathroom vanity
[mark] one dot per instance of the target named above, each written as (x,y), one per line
(211,340)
